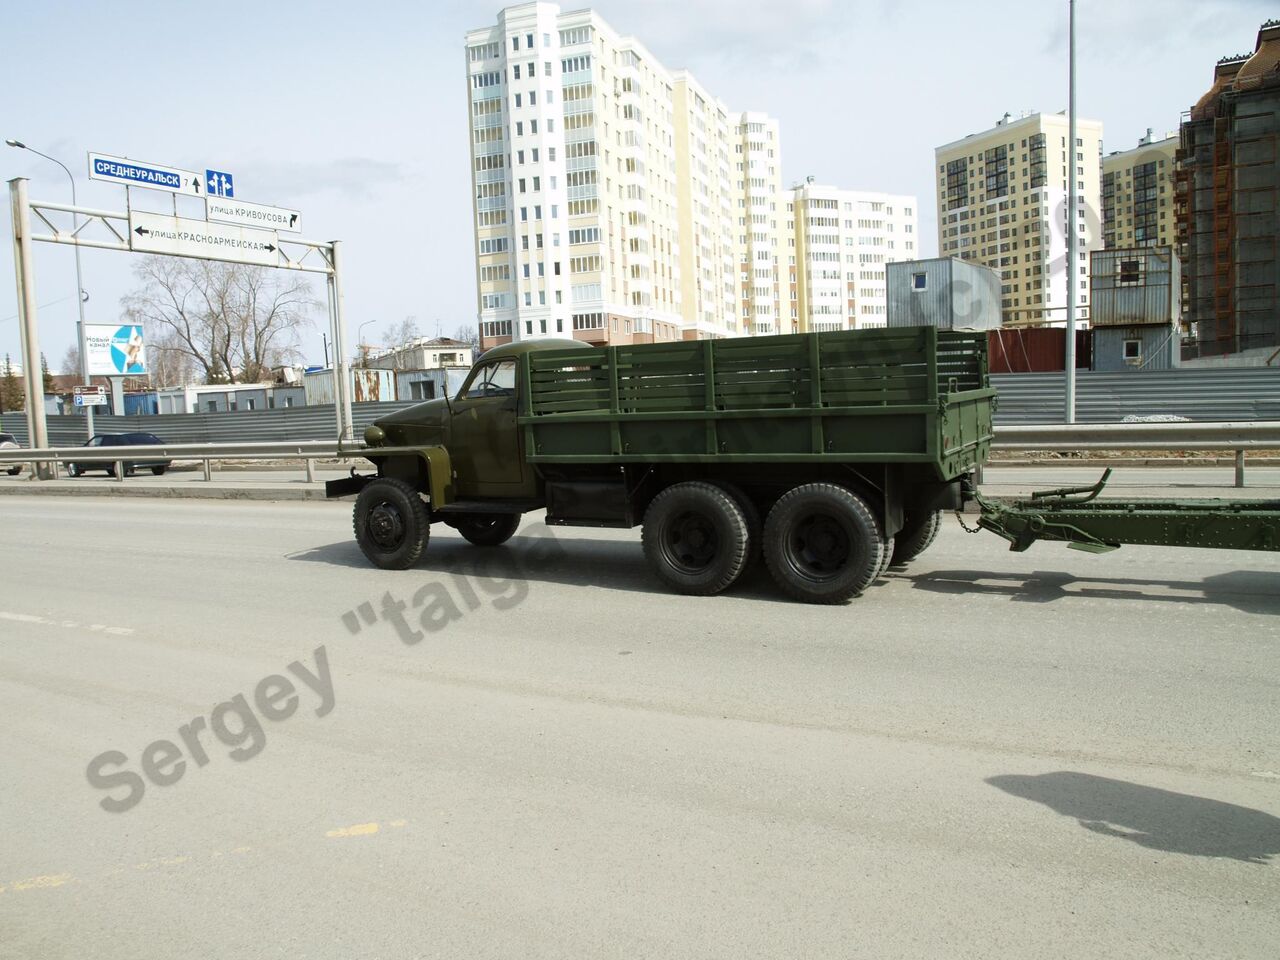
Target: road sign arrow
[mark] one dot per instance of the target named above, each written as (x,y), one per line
(293,219)
(142,231)
(270,248)
(195,183)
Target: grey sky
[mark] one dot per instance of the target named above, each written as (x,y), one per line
(355,113)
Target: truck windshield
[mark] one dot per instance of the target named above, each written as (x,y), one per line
(492,380)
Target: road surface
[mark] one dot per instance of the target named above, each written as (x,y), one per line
(989,754)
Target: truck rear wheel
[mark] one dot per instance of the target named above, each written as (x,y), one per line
(755,524)
(917,537)
(822,543)
(487,529)
(695,538)
(391,524)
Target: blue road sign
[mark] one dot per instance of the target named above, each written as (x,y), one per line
(135,173)
(218,184)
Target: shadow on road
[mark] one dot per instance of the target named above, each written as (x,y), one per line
(574,562)
(1251,591)
(1152,818)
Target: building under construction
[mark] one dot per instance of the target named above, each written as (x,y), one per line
(1228,183)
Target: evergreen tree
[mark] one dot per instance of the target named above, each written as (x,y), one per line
(11,395)
(49,386)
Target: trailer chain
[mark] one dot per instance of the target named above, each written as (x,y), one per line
(964,526)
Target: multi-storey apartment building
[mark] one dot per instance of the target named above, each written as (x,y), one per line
(1228,195)
(1002,202)
(762,237)
(704,129)
(842,241)
(574,179)
(1137,194)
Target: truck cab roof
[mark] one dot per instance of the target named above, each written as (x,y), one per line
(519,348)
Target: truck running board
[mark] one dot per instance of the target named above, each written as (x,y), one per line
(1074,515)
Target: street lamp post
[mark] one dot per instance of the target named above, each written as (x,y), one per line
(1073,239)
(81,296)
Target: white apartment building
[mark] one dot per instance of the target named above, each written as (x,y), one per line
(574,178)
(704,131)
(1003,202)
(761,217)
(842,241)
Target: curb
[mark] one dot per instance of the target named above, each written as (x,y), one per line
(194,491)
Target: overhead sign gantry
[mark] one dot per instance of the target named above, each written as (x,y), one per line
(233,230)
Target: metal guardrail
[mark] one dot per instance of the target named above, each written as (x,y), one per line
(1239,437)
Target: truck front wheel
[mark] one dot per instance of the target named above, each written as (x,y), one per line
(487,529)
(391,525)
(822,543)
(695,538)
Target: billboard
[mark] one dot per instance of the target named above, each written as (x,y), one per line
(115,350)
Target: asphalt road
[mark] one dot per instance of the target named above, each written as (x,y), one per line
(989,754)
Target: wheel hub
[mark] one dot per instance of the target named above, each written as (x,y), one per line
(820,546)
(386,525)
(691,541)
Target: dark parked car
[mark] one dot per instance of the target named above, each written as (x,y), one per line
(120,440)
(9,442)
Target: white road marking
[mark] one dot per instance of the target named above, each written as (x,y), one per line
(1266,774)
(69,624)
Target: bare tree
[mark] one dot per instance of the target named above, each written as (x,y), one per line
(168,362)
(233,322)
(467,334)
(71,360)
(397,335)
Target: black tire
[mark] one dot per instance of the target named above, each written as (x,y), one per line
(889,546)
(73,470)
(111,470)
(750,513)
(128,471)
(487,529)
(695,538)
(917,537)
(391,524)
(159,471)
(822,543)
(14,471)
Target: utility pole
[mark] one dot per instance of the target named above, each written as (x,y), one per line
(1072,240)
(81,296)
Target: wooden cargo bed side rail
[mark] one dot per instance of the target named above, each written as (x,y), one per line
(828,379)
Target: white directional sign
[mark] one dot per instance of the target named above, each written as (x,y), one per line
(90,396)
(138,173)
(180,237)
(252,214)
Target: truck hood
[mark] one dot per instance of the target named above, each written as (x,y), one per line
(423,423)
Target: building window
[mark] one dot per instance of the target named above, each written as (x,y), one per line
(918,281)
(1129,271)
(1132,351)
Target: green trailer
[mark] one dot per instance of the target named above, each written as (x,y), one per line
(827,454)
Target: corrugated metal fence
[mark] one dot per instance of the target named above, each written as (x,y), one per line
(1241,394)
(1251,393)
(287,423)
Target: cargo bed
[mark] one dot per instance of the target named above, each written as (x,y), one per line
(904,395)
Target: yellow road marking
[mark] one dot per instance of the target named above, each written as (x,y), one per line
(33,883)
(358,830)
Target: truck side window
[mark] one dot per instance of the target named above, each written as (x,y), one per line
(492,380)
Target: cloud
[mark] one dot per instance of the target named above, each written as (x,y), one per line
(766,33)
(355,178)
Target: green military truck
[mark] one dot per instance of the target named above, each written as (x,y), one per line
(829,455)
